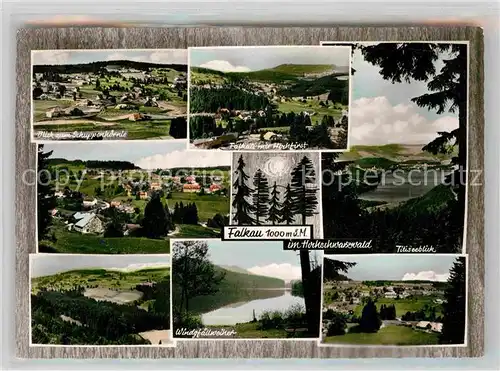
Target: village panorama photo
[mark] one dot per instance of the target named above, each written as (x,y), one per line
(128,198)
(109,94)
(269,97)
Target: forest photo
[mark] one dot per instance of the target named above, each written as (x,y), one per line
(276,189)
(100,300)
(250,290)
(398,299)
(269,97)
(402,184)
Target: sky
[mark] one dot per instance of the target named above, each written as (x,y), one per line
(239,59)
(382,112)
(49,264)
(398,267)
(61,56)
(266,258)
(146,155)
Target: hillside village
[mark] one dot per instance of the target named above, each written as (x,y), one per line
(416,305)
(269,107)
(108,96)
(110,203)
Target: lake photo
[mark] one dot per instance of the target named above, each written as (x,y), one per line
(243,311)
(402,181)
(242,290)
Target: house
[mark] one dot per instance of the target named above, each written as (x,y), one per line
(437,327)
(143,195)
(59,194)
(54,112)
(356,300)
(215,187)
(115,203)
(191,187)
(136,117)
(155,186)
(128,189)
(130,228)
(53,212)
(89,203)
(90,223)
(190,179)
(390,295)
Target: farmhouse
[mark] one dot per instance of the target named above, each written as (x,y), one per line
(215,187)
(55,112)
(143,195)
(432,326)
(155,186)
(191,187)
(89,203)
(90,223)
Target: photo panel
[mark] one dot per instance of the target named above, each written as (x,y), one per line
(244,290)
(402,185)
(109,94)
(394,300)
(276,189)
(100,300)
(273,98)
(128,198)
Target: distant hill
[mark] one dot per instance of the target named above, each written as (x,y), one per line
(93,164)
(236,269)
(393,152)
(280,73)
(96,66)
(434,200)
(237,286)
(100,277)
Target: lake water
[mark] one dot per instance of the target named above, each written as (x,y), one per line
(403,186)
(243,311)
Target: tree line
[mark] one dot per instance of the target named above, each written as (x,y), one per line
(265,204)
(210,100)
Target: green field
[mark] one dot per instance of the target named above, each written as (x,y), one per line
(99,277)
(78,243)
(310,106)
(395,152)
(208,205)
(389,335)
(151,129)
(196,231)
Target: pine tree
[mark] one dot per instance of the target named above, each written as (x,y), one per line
(241,191)
(155,223)
(275,206)
(45,194)
(304,189)
(287,215)
(260,197)
(370,320)
(454,307)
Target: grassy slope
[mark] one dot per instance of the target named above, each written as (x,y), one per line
(390,335)
(235,287)
(100,277)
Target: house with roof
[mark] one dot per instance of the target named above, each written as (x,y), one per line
(390,295)
(215,187)
(89,223)
(143,195)
(191,188)
(55,112)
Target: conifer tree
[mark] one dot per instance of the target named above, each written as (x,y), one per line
(260,196)
(275,206)
(287,215)
(241,191)
(454,307)
(370,319)
(46,200)
(155,223)
(303,186)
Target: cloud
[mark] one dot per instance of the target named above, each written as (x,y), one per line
(425,276)
(139,266)
(185,159)
(224,66)
(285,271)
(375,121)
(167,56)
(41,57)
